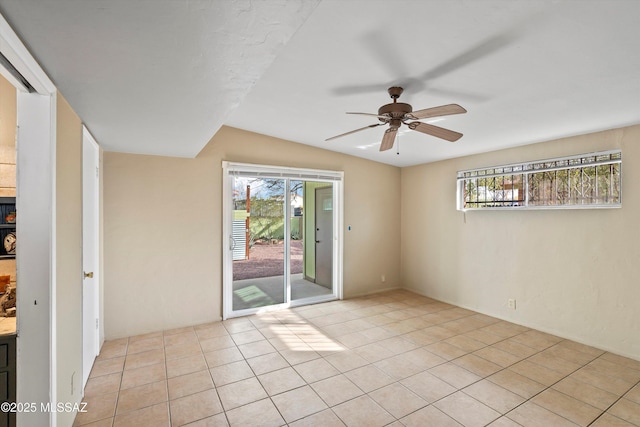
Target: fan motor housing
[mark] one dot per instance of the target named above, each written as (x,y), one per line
(396,110)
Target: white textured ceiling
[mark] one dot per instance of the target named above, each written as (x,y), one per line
(161,77)
(155,76)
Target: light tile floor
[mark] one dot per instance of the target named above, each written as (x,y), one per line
(395,358)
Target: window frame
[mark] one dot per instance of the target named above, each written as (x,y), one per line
(526,169)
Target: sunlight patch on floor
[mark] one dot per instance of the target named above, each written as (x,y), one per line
(301,336)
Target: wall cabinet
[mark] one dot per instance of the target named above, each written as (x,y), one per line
(7,227)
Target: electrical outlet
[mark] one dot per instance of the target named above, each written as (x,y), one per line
(511,303)
(383,279)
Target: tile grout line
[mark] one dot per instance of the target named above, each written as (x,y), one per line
(307,384)
(224,411)
(549,387)
(503,369)
(258,379)
(450,360)
(323,355)
(622,396)
(256,376)
(115,409)
(533,396)
(481,379)
(210,376)
(166,373)
(399,380)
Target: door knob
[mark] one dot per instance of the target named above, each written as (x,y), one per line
(89,275)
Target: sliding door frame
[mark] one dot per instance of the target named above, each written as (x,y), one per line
(231,170)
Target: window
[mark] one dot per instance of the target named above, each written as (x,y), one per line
(584,181)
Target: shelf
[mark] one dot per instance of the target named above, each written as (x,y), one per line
(7,230)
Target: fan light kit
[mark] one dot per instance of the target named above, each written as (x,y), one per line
(398,113)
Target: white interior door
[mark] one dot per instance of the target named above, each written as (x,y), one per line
(90,285)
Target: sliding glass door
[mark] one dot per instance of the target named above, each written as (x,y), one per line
(284,238)
(311,254)
(258,242)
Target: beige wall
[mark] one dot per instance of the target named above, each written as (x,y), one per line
(68,249)
(573,273)
(163,228)
(160,244)
(8,122)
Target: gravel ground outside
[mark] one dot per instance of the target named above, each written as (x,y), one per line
(267,259)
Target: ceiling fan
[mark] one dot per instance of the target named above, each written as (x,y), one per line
(398,113)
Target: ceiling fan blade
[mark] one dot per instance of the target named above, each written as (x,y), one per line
(388,139)
(479,51)
(436,131)
(382,46)
(382,49)
(443,110)
(353,131)
(373,115)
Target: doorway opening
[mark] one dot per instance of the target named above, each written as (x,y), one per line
(284,238)
(8,213)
